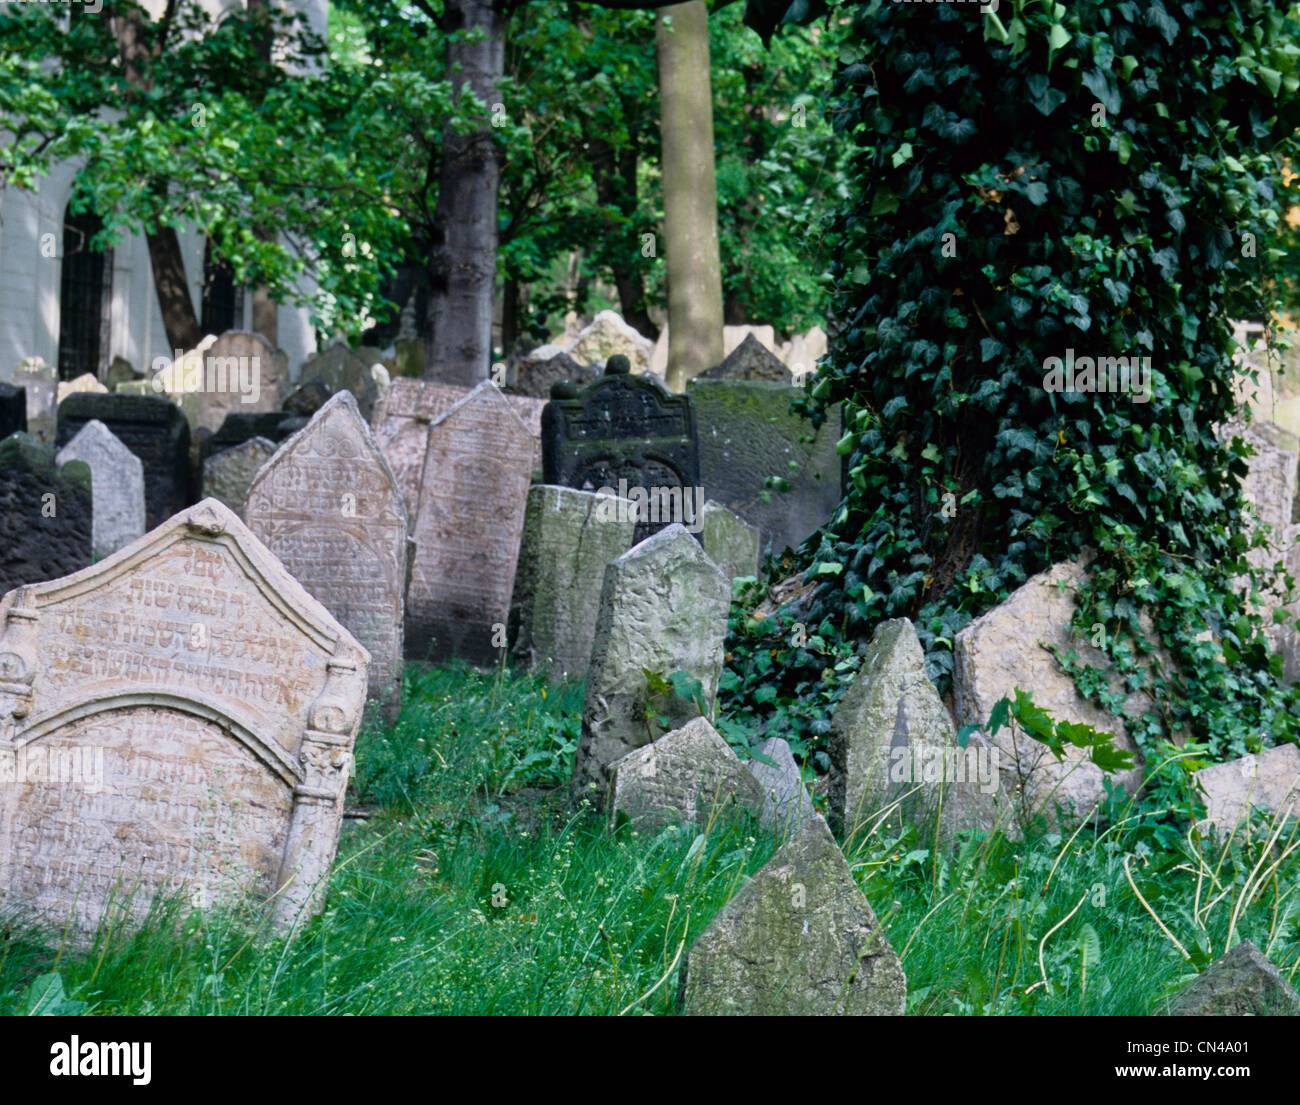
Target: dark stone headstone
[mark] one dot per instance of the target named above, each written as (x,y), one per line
(154,429)
(13,410)
(240,427)
(306,399)
(747,433)
(45,513)
(631,435)
(751,360)
(535,378)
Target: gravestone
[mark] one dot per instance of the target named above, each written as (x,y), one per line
(689,776)
(275,426)
(40,381)
(894,750)
(13,410)
(748,435)
(569,536)
(663,609)
(608,335)
(787,806)
(120,371)
(535,376)
(750,360)
(218,704)
(154,429)
(1241,983)
(241,373)
(340,369)
(631,437)
(117,486)
(229,474)
(477,466)
(306,399)
(46,513)
(1269,780)
(327,505)
(798,939)
(87,381)
(730,541)
(1008,647)
(403,414)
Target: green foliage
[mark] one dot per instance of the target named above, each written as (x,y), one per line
(1037,723)
(46,998)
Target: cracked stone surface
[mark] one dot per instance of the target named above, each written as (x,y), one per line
(799,939)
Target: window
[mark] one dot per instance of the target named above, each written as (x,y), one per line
(84,296)
(223,302)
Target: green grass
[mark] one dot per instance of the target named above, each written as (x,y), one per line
(471,888)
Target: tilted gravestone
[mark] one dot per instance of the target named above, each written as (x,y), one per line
(477,466)
(787,804)
(689,776)
(748,439)
(46,513)
(894,749)
(117,486)
(1240,983)
(406,410)
(154,429)
(229,474)
(327,505)
(663,609)
(730,541)
(13,410)
(1269,781)
(569,536)
(338,368)
(798,939)
(241,373)
(629,436)
(210,706)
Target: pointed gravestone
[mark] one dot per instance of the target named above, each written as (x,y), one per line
(537,374)
(786,802)
(569,536)
(799,939)
(477,465)
(327,505)
(46,513)
(730,541)
(893,743)
(401,421)
(13,410)
(209,706)
(229,474)
(338,368)
(688,776)
(117,486)
(751,360)
(1242,983)
(663,609)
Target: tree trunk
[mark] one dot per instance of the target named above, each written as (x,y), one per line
(690,192)
(614,173)
(266,312)
(462,265)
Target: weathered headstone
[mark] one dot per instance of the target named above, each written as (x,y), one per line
(751,360)
(608,335)
(536,376)
(87,381)
(893,744)
(215,704)
(730,541)
(242,373)
(1007,647)
(46,516)
(748,436)
(477,467)
(569,536)
(13,410)
(120,371)
(1269,781)
(154,429)
(787,804)
(117,486)
(40,381)
(306,399)
(229,474)
(631,437)
(688,776)
(799,939)
(340,369)
(401,423)
(1241,983)
(275,426)
(327,505)
(663,609)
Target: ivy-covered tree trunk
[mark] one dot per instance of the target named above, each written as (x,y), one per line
(690,192)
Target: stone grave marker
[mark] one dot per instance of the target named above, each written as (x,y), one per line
(1240,983)
(1269,781)
(688,776)
(210,705)
(328,506)
(46,514)
(477,467)
(40,381)
(630,436)
(241,372)
(607,335)
(403,414)
(748,435)
(87,381)
(117,486)
(798,939)
(787,804)
(730,541)
(663,609)
(751,360)
(13,410)
(338,368)
(569,536)
(229,474)
(275,426)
